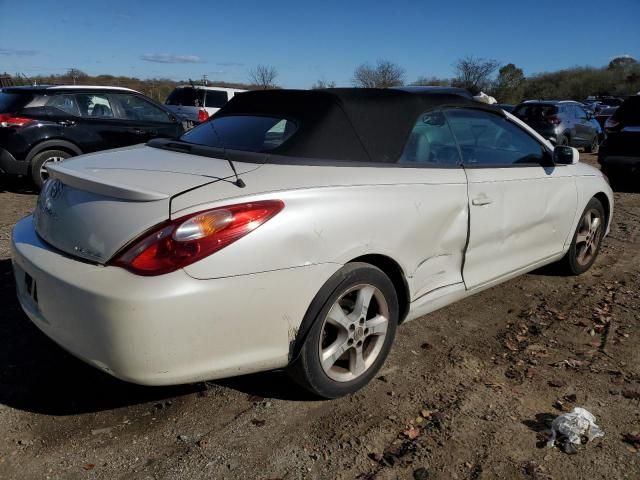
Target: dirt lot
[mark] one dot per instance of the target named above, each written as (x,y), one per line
(466,393)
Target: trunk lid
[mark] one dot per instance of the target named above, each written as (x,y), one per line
(96,204)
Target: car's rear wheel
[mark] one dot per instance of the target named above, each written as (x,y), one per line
(39,164)
(594,145)
(351,333)
(587,238)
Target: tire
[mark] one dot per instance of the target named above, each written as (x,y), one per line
(594,146)
(563,140)
(587,239)
(352,335)
(39,174)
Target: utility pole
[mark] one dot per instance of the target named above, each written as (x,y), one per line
(204,80)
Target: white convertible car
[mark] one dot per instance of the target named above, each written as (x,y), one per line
(297,229)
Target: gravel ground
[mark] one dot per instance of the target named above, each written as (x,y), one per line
(468,392)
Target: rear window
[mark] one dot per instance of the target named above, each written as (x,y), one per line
(249,133)
(536,110)
(186,97)
(629,111)
(215,99)
(12,102)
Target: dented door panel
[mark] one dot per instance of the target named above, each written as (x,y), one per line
(416,216)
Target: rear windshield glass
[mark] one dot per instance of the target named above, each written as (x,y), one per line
(12,102)
(248,133)
(535,110)
(186,97)
(215,99)
(629,111)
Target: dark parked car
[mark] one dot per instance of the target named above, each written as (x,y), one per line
(562,122)
(620,152)
(46,124)
(604,114)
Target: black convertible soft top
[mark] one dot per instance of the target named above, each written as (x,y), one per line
(335,125)
(347,124)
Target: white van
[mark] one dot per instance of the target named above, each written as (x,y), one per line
(197,103)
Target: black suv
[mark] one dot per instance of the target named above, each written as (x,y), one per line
(562,122)
(620,152)
(46,124)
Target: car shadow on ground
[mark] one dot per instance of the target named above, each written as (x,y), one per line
(22,185)
(36,375)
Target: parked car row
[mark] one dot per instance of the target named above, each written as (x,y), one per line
(564,122)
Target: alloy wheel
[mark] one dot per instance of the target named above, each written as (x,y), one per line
(589,236)
(44,173)
(353,333)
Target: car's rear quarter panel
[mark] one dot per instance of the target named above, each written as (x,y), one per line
(416,216)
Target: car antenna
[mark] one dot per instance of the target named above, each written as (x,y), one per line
(239,182)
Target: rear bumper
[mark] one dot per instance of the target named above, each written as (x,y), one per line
(162,330)
(11,166)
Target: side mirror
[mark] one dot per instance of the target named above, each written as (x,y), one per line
(563,155)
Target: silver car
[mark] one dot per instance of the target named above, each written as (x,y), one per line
(297,230)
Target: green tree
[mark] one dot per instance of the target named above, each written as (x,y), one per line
(510,84)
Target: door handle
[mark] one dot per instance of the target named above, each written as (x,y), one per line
(66,123)
(481,200)
(138,131)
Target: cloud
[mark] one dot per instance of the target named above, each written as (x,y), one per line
(167,58)
(230,64)
(17,52)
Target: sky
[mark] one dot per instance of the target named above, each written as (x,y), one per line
(308,41)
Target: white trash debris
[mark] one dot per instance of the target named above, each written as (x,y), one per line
(574,425)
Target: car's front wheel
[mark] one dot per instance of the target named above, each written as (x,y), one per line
(39,164)
(587,238)
(351,334)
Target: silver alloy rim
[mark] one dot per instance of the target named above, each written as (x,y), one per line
(44,173)
(588,237)
(353,333)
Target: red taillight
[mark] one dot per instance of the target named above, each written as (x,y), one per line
(203,116)
(552,119)
(178,243)
(7,120)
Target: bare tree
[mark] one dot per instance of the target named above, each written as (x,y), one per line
(474,73)
(323,84)
(263,76)
(383,75)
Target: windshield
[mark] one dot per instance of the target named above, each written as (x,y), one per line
(250,133)
(186,97)
(535,110)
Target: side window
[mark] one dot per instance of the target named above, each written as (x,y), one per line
(215,99)
(63,105)
(136,108)
(94,105)
(487,139)
(431,142)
